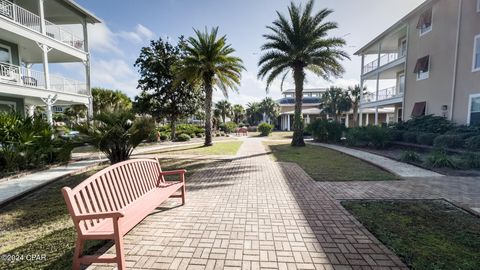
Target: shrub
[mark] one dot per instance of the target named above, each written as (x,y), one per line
(378,137)
(426,138)
(440,159)
(265,129)
(199,135)
(183,137)
(396,135)
(473,143)
(356,137)
(448,141)
(471,160)
(228,127)
(410,156)
(410,137)
(426,123)
(325,131)
(28,143)
(117,133)
(164,136)
(222,134)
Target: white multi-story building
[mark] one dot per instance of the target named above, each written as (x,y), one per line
(34,36)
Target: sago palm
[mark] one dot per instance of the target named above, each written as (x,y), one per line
(300,43)
(209,63)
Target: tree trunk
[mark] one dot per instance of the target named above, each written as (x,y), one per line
(299,77)
(208,110)
(355,115)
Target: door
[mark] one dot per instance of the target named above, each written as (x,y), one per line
(401,83)
(403,47)
(5,62)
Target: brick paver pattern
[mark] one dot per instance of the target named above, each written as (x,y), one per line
(254,213)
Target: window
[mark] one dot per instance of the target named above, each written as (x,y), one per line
(424,24)
(474,110)
(476,53)
(5,54)
(478,5)
(419,109)
(7,106)
(403,47)
(422,68)
(401,83)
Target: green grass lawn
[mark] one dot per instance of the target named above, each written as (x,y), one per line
(39,223)
(218,148)
(424,234)
(324,164)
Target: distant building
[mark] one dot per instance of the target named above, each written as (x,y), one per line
(310,108)
(426,63)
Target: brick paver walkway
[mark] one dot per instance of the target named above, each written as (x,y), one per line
(254,213)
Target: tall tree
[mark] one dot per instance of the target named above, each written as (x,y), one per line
(335,101)
(270,108)
(355,94)
(300,43)
(254,113)
(238,113)
(74,113)
(209,64)
(106,100)
(161,96)
(224,109)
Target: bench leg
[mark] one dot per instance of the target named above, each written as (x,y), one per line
(120,254)
(77,253)
(183,195)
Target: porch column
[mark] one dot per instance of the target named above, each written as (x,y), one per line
(308,118)
(31,110)
(41,10)
(49,102)
(367,122)
(288,122)
(360,118)
(387,118)
(46,71)
(346,120)
(376,116)
(87,70)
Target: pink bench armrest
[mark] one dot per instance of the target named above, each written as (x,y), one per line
(100,215)
(174,172)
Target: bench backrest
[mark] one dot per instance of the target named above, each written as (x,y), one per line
(112,188)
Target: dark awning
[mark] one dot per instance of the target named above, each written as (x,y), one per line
(425,19)
(419,109)
(422,64)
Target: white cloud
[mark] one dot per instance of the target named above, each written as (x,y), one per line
(102,39)
(116,74)
(140,34)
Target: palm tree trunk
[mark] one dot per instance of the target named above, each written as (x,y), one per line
(299,77)
(355,115)
(208,110)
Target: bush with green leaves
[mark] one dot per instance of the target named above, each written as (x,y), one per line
(265,129)
(410,156)
(183,137)
(410,137)
(440,159)
(117,133)
(473,143)
(30,143)
(324,130)
(426,138)
(378,137)
(448,141)
(164,136)
(471,160)
(396,135)
(228,127)
(426,123)
(356,137)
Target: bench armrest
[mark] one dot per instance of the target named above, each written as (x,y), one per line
(180,173)
(100,215)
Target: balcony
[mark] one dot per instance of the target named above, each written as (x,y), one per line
(32,21)
(383,94)
(21,76)
(384,60)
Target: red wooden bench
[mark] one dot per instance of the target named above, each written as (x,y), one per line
(242,131)
(111,202)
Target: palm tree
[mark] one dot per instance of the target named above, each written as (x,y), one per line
(355,94)
(238,113)
(299,43)
(254,113)
(270,109)
(224,109)
(106,100)
(209,64)
(335,101)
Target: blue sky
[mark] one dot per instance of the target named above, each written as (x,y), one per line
(129,25)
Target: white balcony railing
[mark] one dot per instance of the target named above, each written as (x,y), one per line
(32,21)
(22,76)
(384,59)
(383,94)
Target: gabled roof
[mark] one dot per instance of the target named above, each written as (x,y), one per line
(91,18)
(395,26)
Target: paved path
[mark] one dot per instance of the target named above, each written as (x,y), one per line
(254,213)
(399,168)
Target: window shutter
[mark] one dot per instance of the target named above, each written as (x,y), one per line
(419,109)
